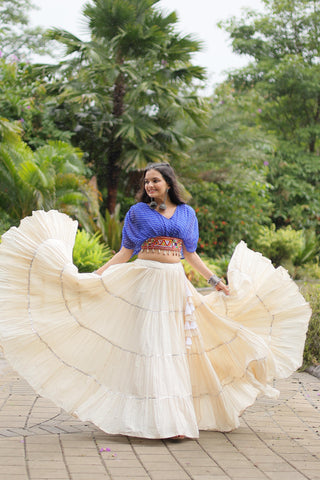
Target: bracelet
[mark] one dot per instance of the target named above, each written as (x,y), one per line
(214,280)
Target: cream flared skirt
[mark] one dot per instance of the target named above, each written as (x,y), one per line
(138,351)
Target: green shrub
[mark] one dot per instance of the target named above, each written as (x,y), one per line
(296,250)
(306,259)
(280,245)
(228,213)
(111,228)
(311,354)
(309,271)
(89,253)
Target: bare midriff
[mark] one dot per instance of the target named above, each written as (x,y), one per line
(159,257)
(161,249)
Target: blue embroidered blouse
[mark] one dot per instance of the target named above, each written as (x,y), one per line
(141,223)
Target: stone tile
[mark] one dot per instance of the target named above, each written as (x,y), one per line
(15,470)
(12,461)
(253,474)
(314,474)
(271,447)
(210,477)
(17,476)
(275,467)
(83,460)
(46,465)
(164,467)
(287,476)
(169,476)
(38,475)
(127,472)
(199,462)
(96,468)
(78,452)
(115,462)
(52,474)
(204,471)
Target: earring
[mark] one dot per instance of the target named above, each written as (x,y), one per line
(163,205)
(153,204)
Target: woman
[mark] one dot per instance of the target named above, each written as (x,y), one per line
(160,194)
(134,347)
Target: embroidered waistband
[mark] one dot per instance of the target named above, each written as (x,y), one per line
(162,244)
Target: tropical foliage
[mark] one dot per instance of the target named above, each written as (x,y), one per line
(26,100)
(283,42)
(111,228)
(89,253)
(52,177)
(128,86)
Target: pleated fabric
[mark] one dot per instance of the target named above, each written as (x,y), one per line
(138,351)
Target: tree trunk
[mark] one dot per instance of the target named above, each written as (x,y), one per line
(313,140)
(115,145)
(113,173)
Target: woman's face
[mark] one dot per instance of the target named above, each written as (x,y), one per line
(155,185)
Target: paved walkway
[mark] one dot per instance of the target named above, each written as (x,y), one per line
(277,440)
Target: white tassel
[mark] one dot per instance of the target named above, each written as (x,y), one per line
(190,323)
(188,310)
(188,291)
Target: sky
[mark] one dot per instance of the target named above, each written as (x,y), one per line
(197,17)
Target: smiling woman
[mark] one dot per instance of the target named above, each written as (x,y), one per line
(160,189)
(133,347)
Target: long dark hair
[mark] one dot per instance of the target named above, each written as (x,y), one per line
(170,177)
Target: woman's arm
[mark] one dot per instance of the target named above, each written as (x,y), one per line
(195,261)
(121,257)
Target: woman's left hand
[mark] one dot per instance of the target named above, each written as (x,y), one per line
(223,287)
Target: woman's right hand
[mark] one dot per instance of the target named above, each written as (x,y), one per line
(223,287)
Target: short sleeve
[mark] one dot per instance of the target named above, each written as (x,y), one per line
(191,235)
(128,231)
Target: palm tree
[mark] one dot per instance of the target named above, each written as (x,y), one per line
(128,87)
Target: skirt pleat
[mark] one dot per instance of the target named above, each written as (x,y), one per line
(138,351)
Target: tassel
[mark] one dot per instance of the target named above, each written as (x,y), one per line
(189,309)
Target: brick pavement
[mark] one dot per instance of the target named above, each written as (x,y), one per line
(277,440)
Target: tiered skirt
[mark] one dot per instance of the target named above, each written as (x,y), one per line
(138,351)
